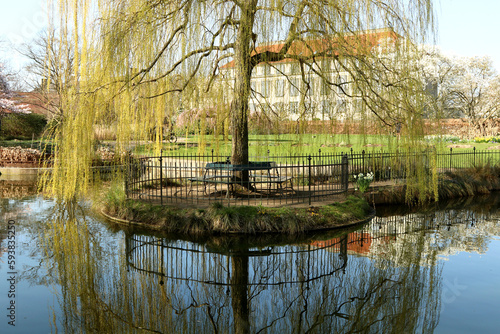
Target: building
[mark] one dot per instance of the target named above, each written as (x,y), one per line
(321,88)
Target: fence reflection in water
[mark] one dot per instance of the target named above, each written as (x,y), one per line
(282,284)
(276,265)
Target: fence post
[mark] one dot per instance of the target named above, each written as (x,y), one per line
(345,173)
(127,173)
(451,154)
(474,150)
(161,177)
(363,160)
(310,180)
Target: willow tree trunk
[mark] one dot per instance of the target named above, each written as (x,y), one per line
(239,106)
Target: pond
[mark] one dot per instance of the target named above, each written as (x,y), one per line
(65,269)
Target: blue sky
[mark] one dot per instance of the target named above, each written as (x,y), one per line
(469,27)
(20,21)
(465,27)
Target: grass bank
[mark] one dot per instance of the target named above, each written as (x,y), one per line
(478,180)
(219,219)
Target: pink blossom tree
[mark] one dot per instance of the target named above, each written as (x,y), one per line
(7,104)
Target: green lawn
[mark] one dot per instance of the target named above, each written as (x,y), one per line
(305,144)
(285,145)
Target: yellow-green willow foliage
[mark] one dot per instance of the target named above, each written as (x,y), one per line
(98,294)
(139,62)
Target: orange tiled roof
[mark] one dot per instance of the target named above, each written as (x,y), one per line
(351,44)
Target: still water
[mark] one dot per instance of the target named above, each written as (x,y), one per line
(67,270)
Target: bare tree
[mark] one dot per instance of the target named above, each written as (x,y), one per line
(51,63)
(462,87)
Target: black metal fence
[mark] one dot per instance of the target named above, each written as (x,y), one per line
(269,180)
(397,165)
(280,180)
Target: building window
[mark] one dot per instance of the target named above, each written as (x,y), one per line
(265,88)
(278,108)
(326,66)
(341,106)
(280,69)
(326,109)
(294,87)
(265,108)
(295,68)
(358,106)
(267,69)
(325,88)
(259,69)
(280,88)
(294,108)
(343,85)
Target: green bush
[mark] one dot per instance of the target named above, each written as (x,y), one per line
(22,126)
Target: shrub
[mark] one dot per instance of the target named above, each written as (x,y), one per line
(22,126)
(102,132)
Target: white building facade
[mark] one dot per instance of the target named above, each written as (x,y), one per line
(321,89)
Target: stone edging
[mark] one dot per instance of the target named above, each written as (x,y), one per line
(23,170)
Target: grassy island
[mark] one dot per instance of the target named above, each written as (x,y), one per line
(218,219)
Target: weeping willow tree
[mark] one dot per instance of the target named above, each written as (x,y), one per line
(139,62)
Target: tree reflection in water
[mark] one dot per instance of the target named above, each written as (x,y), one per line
(384,277)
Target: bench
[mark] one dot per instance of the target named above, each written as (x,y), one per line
(227,177)
(273,179)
